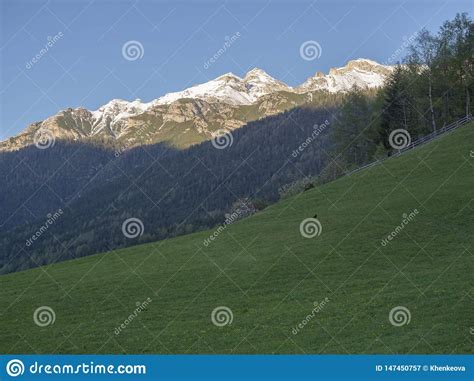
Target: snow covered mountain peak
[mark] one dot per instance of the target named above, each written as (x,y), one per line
(257,73)
(226,88)
(260,83)
(230,88)
(234,90)
(229,77)
(363,73)
(361,64)
(204,107)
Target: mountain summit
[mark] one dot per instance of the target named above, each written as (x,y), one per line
(193,115)
(230,89)
(362,73)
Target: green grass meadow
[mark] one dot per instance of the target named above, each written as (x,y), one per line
(270,277)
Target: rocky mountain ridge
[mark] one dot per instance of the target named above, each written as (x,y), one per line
(198,113)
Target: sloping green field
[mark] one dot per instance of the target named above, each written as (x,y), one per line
(270,277)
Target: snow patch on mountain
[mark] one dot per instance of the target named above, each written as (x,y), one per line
(228,89)
(231,89)
(234,90)
(259,83)
(363,73)
(108,115)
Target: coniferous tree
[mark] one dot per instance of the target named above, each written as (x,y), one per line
(352,129)
(456,39)
(397,109)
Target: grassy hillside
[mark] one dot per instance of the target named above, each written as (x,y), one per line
(270,276)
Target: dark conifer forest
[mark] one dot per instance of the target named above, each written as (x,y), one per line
(175,192)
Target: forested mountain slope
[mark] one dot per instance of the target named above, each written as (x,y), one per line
(364,292)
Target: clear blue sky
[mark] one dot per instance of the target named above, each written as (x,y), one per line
(85,66)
